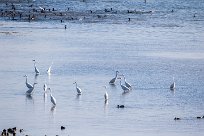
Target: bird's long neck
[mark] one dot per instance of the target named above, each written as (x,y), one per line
(76,85)
(50,92)
(26,80)
(116,74)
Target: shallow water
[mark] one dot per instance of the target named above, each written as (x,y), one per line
(149,52)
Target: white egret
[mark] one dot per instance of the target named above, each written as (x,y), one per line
(52,98)
(28,84)
(106,94)
(30,91)
(126,83)
(173,85)
(45,87)
(112,81)
(49,69)
(36,69)
(125,88)
(41,8)
(78,89)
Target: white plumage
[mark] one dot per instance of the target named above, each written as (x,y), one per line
(78,89)
(125,88)
(126,83)
(30,91)
(52,98)
(112,81)
(28,84)
(37,72)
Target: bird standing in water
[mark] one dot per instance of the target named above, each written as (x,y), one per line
(125,88)
(37,72)
(30,91)
(28,84)
(126,83)
(112,81)
(52,98)
(106,94)
(49,69)
(78,89)
(173,85)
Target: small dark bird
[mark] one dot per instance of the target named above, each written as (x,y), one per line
(120,106)
(199,117)
(21,130)
(62,127)
(128,19)
(176,118)
(65,26)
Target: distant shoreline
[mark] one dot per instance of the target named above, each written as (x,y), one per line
(30,11)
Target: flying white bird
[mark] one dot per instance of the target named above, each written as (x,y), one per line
(173,85)
(37,72)
(28,84)
(78,89)
(52,98)
(30,91)
(112,81)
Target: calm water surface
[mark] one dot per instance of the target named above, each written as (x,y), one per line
(150,51)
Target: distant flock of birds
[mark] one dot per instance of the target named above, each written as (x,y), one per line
(125,87)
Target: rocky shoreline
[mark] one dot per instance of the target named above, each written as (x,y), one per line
(19,10)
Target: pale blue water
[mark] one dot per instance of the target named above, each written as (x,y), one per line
(149,50)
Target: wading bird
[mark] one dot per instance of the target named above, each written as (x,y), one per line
(126,83)
(78,89)
(173,85)
(28,84)
(49,69)
(30,91)
(112,81)
(106,94)
(37,72)
(45,87)
(125,88)
(52,98)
